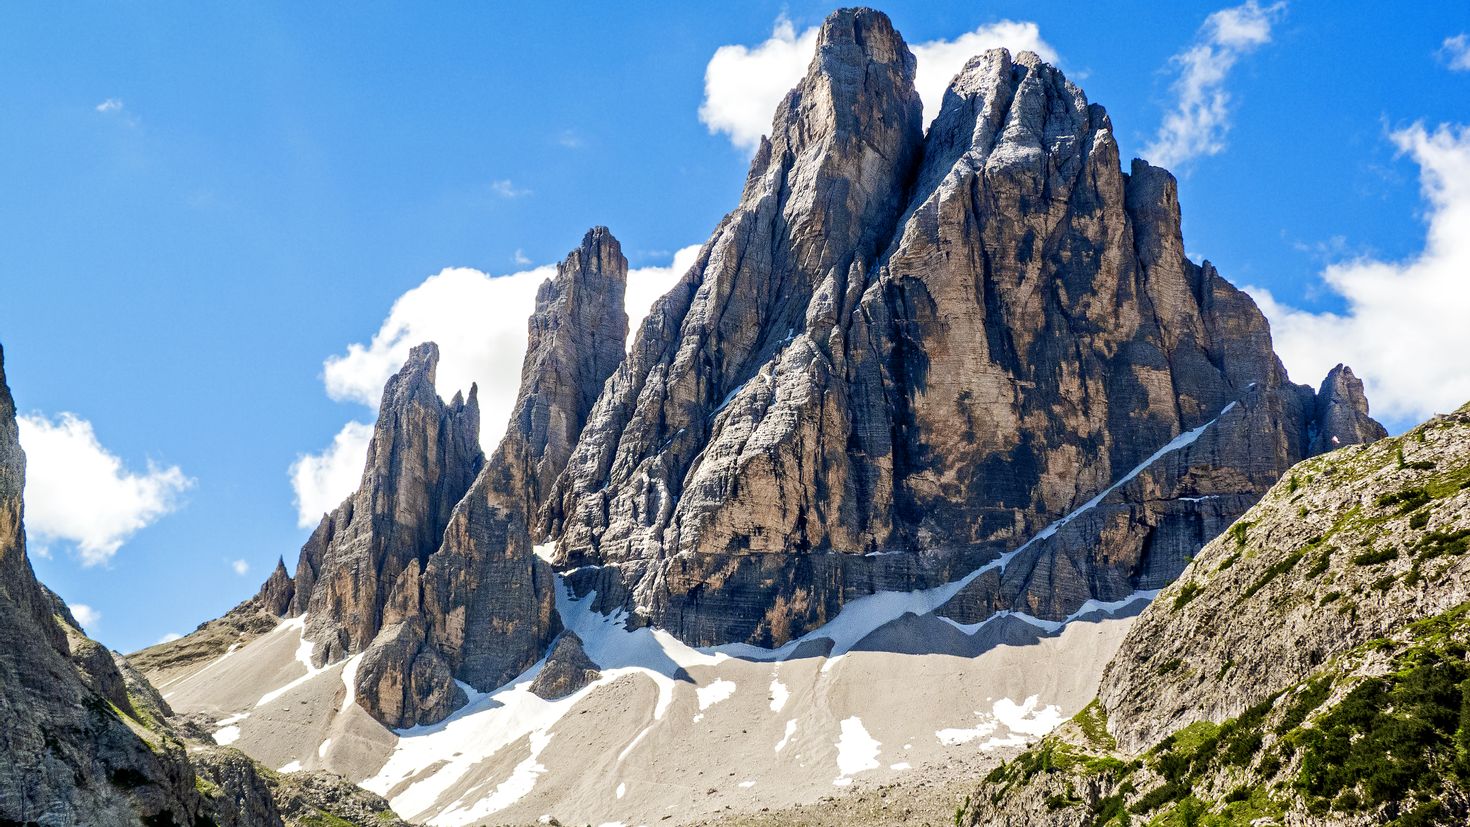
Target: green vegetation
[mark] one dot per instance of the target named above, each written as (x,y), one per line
(1187,592)
(1396,746)
(1238,532)
(1093,721)
(1276,569)
(1373,557)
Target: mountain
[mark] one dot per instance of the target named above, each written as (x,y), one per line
(924,399)
(1308,667)
(87,741)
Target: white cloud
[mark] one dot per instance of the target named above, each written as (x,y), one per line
(479,323)
(1406,327)
(647,285)
(506,189)
(1455,52)
(169,638)
(77,491)
(520,257)
(743,85)
(940,60)
(110,105)
(241,567)
(1201,116)
(85,615)
(321,481)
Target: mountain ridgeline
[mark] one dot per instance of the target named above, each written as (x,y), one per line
(903,356)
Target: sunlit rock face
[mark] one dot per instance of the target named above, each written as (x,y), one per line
(903,355)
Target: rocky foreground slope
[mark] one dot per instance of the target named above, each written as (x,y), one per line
(87,741)
(1311,666)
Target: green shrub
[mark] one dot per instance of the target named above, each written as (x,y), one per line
(1373,557)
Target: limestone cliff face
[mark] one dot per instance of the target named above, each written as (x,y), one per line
(422,458)
(73,760)
(1012,328)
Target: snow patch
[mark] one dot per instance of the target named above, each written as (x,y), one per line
(226,736)
(1028,717)
(901,765)
(779,695)
(294,766)
(622,790)
(544,550)
(718,691)
(786,739)
(321,751)
(955,736)
(303,656)
(747,784)
(857,751)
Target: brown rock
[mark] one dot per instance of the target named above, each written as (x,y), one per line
(567,668)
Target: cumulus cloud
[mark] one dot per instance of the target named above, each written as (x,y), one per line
(479,323)
(1455,52)
(743,85)
(1406,326)
(1201,116)
(85,615)
(323,480)
(240,567)
(79,492)
(110,105)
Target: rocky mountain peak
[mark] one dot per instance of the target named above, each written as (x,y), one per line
(421,460)
(481,608)
(277,591)
(577,336)
(1342,413)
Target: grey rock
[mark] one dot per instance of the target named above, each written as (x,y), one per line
(567,668)
(1014,329)
(1341,414)
(423,456)
(485,602)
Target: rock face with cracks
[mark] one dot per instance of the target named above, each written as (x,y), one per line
(904,355)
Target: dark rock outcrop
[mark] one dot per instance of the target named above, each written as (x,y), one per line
(1341,414)
(277,591)
(567,668)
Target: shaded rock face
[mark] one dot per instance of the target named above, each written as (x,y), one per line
(1341,415)
(567,668)
(81,762)
(904,355)
(422,458)
(277,591)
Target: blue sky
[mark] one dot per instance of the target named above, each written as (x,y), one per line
(203,204)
